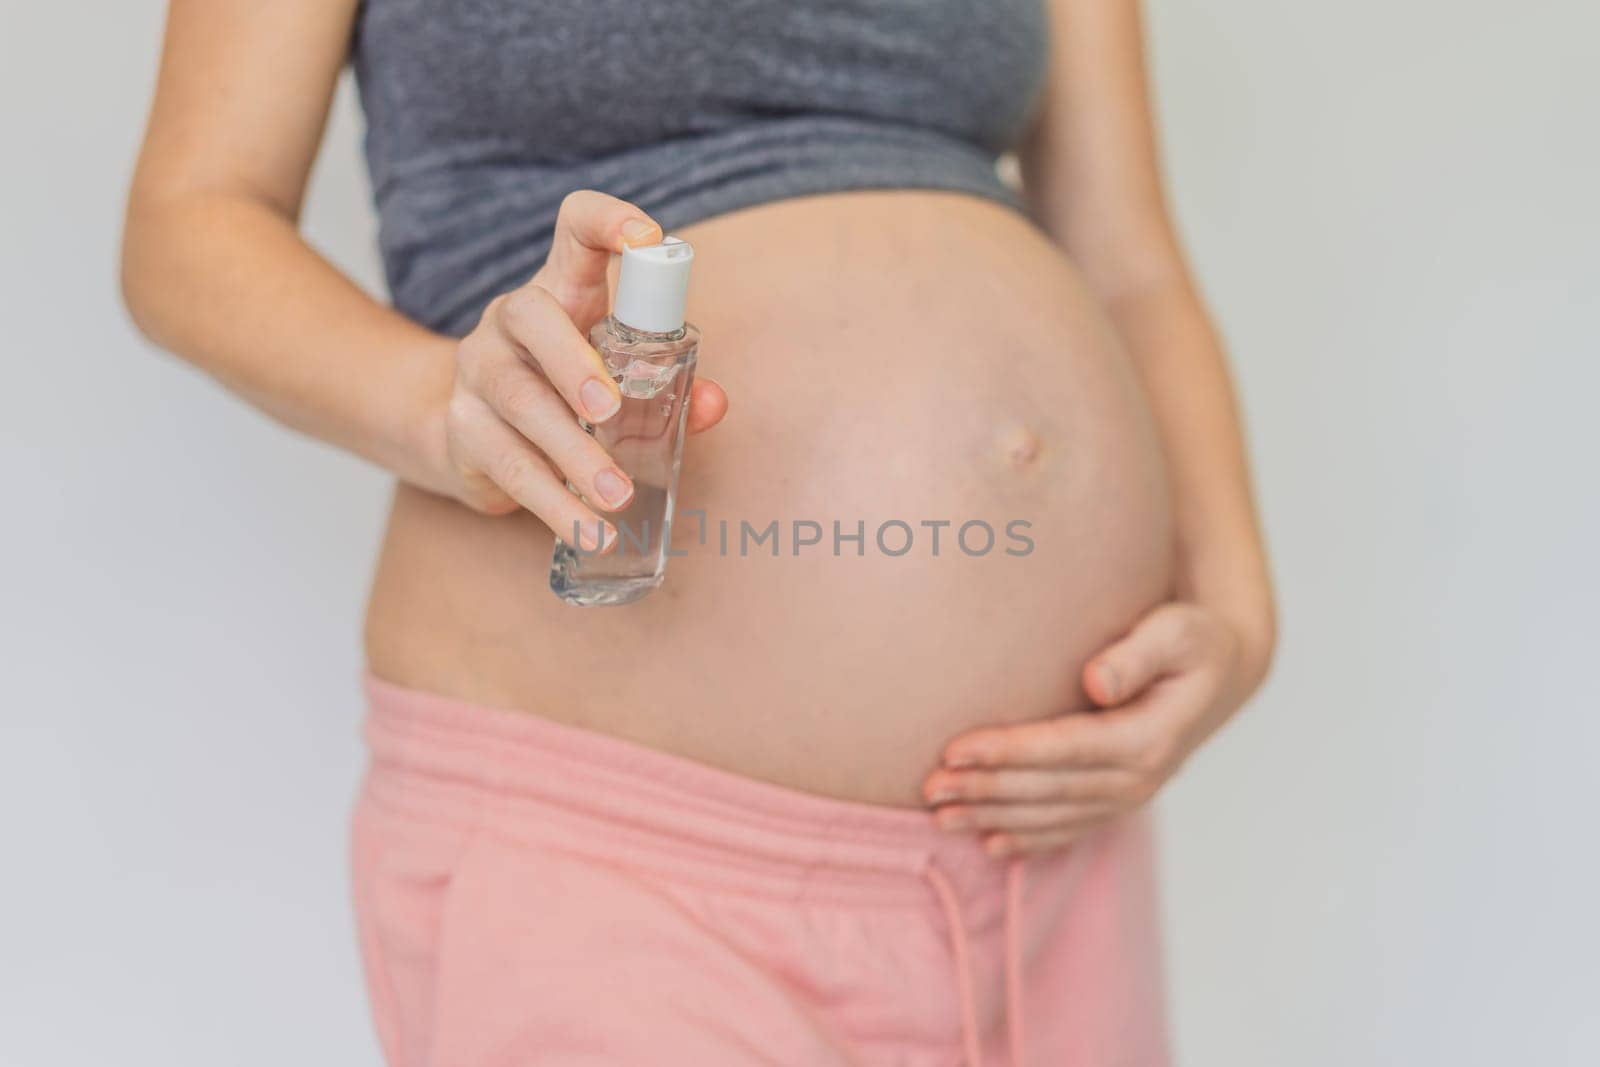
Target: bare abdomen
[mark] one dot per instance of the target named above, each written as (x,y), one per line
(901,365)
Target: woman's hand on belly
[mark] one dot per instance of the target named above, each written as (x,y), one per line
(508,436)
(1163,689)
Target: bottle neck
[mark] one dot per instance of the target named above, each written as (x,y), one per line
(633,336)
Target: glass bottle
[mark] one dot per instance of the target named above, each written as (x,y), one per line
(650,351)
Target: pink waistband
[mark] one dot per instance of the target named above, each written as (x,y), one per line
(525,776)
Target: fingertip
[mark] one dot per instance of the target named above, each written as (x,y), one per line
(709,406)
(1100,681)
(601,398)
(638,232)
(960,758)
(595,536)
(937,789)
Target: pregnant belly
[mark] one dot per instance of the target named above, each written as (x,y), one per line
(937,492)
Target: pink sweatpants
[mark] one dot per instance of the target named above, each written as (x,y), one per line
(529,893)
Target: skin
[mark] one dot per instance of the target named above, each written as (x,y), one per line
(1189,665)
(528,366)
(214,269)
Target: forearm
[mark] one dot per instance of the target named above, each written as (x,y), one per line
(1221,558)
(225,281)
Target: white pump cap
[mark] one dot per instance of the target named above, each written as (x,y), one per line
(654,286)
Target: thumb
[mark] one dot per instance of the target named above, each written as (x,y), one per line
(591,227)
(1129,666)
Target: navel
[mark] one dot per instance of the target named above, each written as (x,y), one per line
(1019,446)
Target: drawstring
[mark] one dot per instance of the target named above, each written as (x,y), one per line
(1014,959)
(958,948)
(961,950)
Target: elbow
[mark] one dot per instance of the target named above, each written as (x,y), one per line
(153,258)
(134,270)
(1258,644)
(130,273)
(1265,649)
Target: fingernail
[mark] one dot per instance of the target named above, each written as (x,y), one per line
(960,761)
(613,488)
(599,400)
(594,537)
(637,230)
(998,845)
(943,796)
(951,819)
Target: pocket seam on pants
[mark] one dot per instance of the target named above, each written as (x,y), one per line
(389,1010)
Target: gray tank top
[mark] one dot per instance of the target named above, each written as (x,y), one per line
(483,114)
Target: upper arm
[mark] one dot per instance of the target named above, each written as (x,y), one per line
(242,98)
(1090,164)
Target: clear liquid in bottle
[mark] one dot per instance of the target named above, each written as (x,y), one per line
(654,369)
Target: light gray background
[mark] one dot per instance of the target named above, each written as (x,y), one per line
(1390,859)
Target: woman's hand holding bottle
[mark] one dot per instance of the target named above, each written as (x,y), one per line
(509,437)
